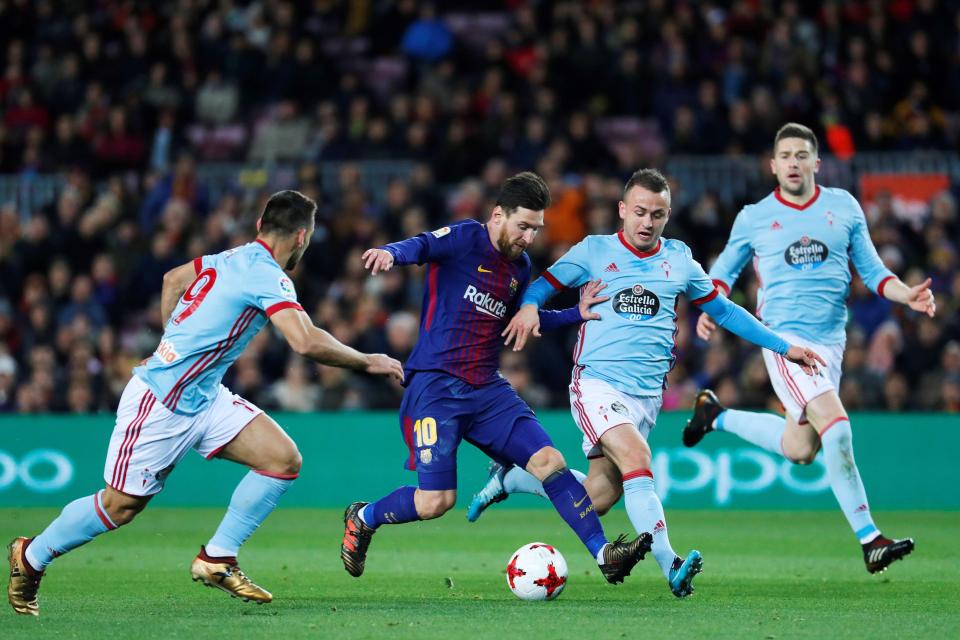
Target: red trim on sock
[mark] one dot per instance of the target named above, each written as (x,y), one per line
(104,518)
(279,476)
(203,555)
(833,422)
(639,473)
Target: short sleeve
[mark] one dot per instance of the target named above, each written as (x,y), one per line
(700,288)
(572,270)
(271,290)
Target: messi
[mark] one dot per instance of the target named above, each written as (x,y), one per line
(485,302)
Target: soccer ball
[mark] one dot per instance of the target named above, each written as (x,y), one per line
(537,571)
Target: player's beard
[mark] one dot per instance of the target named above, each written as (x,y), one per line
(294,259)
(510,250)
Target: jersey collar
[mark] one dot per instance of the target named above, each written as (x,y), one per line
(267,247)
(798,207)
(637,252)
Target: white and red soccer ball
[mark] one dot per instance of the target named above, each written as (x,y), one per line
(537,571)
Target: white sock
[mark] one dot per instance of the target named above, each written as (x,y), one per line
(646,514)
(845,480)
(762,429)
(519,480)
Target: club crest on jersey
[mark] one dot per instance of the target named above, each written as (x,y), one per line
(514,285)
(426,456)
(286,288)
(666,268)
(485,303)
(636,303)
(806,254)
(439,233)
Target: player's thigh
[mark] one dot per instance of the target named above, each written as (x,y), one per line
(824,410)
(797,389)
(148,440)
(604,484)
(433,415)
(238,430)
(598,408)
(626,448)
(263,446)
(506,429)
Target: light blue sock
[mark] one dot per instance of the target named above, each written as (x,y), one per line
(80,522)
(646,514)
(762,429)
(845,480)
(519,480)
(253,500)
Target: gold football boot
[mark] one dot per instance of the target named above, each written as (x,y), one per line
(24,581)
(224,574)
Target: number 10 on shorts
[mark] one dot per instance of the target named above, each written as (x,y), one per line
(426,432)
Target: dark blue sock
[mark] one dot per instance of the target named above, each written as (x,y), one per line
(395,508)
(573,504)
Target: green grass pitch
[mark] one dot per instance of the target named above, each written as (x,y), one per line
(767,575)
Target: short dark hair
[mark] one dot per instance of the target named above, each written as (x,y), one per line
(527,190)
(796,130)
(287,212)
(649,179)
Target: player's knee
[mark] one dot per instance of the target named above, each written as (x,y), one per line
(545,462)
(433,504)
(294,461)
(122,508)
(286,462)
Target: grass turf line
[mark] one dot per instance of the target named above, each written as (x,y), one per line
(767,575)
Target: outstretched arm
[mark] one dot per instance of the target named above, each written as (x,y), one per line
(738,320)
(531,319)
(318,345)
(919,297)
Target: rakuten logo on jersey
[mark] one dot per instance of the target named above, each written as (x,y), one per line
(485,303)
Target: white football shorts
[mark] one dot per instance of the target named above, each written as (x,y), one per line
(597,407)
(149,439)
(795,388)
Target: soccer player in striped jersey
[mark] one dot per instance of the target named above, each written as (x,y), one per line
(801,239)
(212,307)
(476,275)
(621,362)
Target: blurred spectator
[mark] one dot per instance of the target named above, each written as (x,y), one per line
(115,113)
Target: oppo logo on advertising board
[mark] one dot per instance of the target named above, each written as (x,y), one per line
(39,471)
(726,473)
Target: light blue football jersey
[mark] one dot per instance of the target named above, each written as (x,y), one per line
(232,298)
(633,346)
(802,258)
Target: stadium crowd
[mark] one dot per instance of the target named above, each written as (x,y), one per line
(129,101)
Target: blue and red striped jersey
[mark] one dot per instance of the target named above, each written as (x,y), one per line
(231,299)
(471,292)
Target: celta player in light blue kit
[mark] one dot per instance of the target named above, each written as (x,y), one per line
(211,307)
(801,239)
(621,362)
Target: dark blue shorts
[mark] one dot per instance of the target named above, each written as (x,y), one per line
(440,410)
